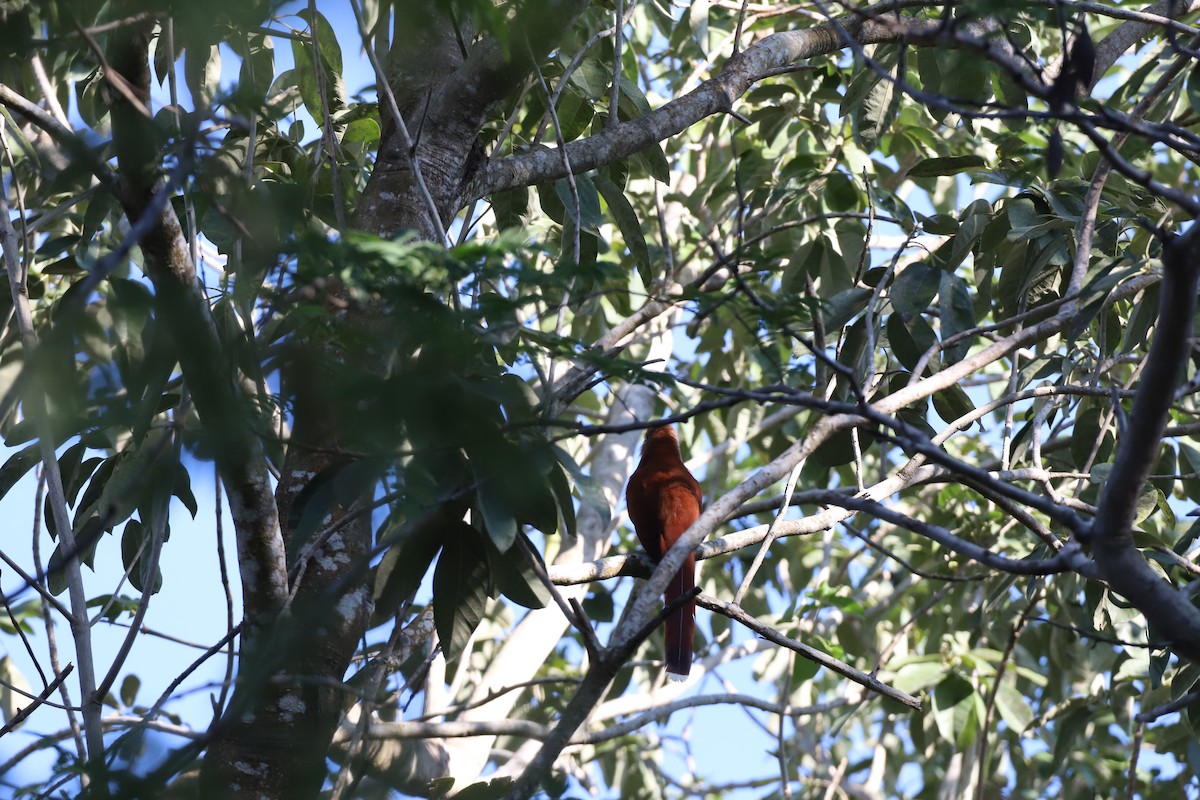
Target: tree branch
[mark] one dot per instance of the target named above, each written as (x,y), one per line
(714,96)
(816,656)
(533,730)
(210,375)
(42,697)
(36,400)
(1169,611)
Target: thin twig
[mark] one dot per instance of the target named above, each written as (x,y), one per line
(41,699)
(1178,704)
(816,656)
(35,403)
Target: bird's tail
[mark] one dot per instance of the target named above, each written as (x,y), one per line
(680,625)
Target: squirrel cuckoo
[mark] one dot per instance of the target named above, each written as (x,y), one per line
(663,500)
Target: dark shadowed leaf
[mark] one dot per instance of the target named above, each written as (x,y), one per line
(516,576)
(949,165)
(460,588)
(17,465)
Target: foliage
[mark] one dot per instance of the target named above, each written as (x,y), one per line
(907,277)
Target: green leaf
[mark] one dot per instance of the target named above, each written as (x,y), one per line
(865,78)
(632,103)
(914,288)
(1013,706)
(202,72)
(948,165)
(931,78)
(1022,213)
(939,224)
(1148,500)
(499,518)
(135,557)
(844,306)
(589,491)
(327,41)
(838,449)
(654,162)
(561,487)
(17,465)
(509,207)
(129,689)
(587,212)
(257,71)
(1193,88)
(628,223)
(460,589)
(952,403)
(56,574)
(114,606)
(873,100)
(803,671)
(414,546)
(910,337)
(95,488)
(841,192)
(598,604)
(89,99)
(162,59)
(304,73)
(361,135)
(954,702)
(1068,726)
(1086,433)
(516,577)
(592,76)
(972,224)
(182,488)
(574,114)
(964,76)
(1100,472)
(957,314)
(483,790)
(698,22)
(915,676)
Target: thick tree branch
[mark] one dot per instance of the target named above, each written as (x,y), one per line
(1169,611)
(714,96)
(492,68)
(1130,32)
(210,375)
(533,730)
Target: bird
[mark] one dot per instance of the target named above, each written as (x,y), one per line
(663,500)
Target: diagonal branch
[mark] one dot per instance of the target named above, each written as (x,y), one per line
(1065,560)
(816,656)
(714,96)
(43,697)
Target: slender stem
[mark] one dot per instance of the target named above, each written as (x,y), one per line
(35,405)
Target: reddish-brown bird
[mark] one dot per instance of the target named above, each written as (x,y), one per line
(663,500)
